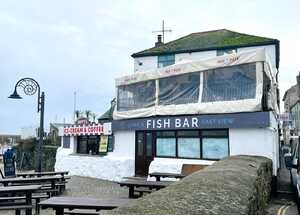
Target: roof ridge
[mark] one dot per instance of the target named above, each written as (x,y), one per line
(230,38)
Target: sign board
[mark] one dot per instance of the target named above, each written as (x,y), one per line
(285,117)
(9,163)
(235,120)
(103,144)
(90,129)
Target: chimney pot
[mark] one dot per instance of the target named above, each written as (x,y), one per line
(159,41)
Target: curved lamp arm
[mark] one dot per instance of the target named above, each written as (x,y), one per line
(30,87)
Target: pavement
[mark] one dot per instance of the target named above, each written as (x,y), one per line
(284,202)
(87,187)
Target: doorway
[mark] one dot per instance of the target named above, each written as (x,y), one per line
(144,152)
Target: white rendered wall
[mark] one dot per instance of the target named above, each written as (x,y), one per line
(147,63)
(113,166)
(150,62)
(255,141)
(124,144)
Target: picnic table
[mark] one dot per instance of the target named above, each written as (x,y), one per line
(132,184)
(159,175)
(39,174)
(7,203)
(60,203)
(53,180)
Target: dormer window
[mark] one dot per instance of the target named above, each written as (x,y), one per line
(221,52)
(165,60)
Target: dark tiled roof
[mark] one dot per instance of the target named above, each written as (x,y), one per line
(108,115)
(209,40)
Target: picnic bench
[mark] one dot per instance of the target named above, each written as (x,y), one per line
(133,184)
(50,184)
(61,184)
(59,204)
(40,174)
(11,198)
(185,170)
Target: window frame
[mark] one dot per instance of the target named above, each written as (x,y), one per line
(200,136)
(166,55)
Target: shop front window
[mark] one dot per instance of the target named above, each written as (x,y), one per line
(135,96)
(194,144)
(215,148)
(230,83)
(88,144)
(166,144)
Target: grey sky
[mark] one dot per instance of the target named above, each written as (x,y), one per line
(82,45)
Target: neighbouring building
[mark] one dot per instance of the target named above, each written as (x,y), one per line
(197,99)
(291,101)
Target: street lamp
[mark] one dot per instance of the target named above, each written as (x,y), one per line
(30,87)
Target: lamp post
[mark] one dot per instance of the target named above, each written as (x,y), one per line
(30,87)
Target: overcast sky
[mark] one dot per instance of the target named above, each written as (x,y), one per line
(82,45)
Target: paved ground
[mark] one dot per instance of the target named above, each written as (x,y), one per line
(87,187)
(283,203)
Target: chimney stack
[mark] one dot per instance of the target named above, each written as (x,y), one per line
(298,79)
(159,41)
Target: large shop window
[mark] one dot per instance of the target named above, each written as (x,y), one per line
(166,144)
(135,96)
(205,144)
(230,83)
(180,89)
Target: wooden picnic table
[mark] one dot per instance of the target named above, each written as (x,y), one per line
(159,175)
(131,184)
(18,190)
(60,203)
(39,174)
(52,180)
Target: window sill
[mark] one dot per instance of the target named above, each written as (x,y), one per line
(87,155)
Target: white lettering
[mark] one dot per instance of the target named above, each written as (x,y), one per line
(167,123)
(194,122)
(177,123)
(148,123)
(158,122)
(186,123)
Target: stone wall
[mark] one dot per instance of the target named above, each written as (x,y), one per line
(236,185)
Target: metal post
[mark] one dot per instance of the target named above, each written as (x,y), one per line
(41,137)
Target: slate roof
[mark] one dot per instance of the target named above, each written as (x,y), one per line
(108,115)
(209,40)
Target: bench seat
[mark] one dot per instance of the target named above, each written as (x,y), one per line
(81,212)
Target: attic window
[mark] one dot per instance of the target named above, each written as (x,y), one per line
(226,51)
(165,60)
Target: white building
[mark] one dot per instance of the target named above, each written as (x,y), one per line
(196,99)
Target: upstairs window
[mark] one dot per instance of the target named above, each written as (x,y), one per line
(230,83)
(179,89)
(135,96)
(226,51)
(165,60)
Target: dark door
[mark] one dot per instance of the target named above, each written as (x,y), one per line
(143,152)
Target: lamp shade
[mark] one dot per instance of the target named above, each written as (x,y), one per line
(15,95)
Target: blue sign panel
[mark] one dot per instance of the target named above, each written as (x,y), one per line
(233,120)
(9,163)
